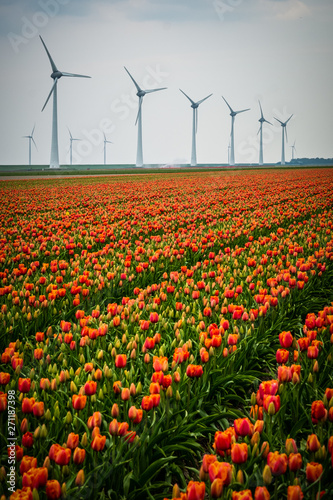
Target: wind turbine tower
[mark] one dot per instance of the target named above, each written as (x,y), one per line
(194,106)
(71,146)
(31,139)
(262,121)
(55,75)
(284,133)
(293,151)
(140,93)
(105,143)
(232,135)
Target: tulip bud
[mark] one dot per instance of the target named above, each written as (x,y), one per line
(68,419)
(267,475)
(240,477)
(84,440)
(43,432)
(79,481)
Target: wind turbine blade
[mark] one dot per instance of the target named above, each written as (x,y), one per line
(285,129)
(139,110)
(196,120)
(202,100)
(32,133)
(74,75)
(154,90)
(278,120)
(242,111)
(137,86)
(268,122)
(34,143)
(290,117)
(25,136)
(104,137)
(70,133)
(259,128)
(231,110)
(262,115)
(187,96)
(54,67)
(48,97)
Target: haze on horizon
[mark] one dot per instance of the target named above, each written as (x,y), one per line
(278,51)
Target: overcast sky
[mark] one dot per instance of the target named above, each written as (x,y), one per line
(278,51)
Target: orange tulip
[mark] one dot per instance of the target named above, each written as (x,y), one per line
(98,443)
(294,493)
(72,440)
(4,378)
(239,453)
(27,463)
(53,489)
(38,409)
(23,494)
(277,463)
(242,495)
(195,490)
(79,455)
(220,470)
(313,471)
(79,401)
(312,443)
(261,493)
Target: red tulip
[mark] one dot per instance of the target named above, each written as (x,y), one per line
(24,384)
(295,461)
(27,440)
(243,427)
(90,388)
(121,360)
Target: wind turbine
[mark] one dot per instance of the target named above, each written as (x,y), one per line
(31,138)
(194,106)
(140,93)
(55,75)
(284,131)
(293,150)
(262,121)
(105,143)
(233,115)
(71,146)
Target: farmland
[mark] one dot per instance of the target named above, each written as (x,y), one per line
(168,336)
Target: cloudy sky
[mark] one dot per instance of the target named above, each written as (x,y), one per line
(278,51)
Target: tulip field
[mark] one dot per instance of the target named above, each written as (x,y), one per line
(167,336)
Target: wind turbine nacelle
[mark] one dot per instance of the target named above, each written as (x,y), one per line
(195,105)
(141,93)
(56,74)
